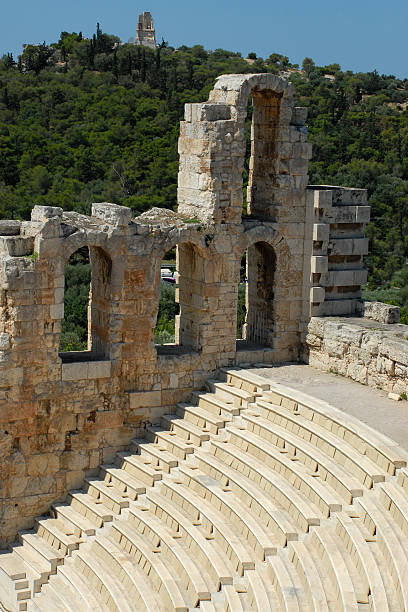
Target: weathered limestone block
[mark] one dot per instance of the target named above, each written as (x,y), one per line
(43,213)
(348,246)
(383,313)
(376,355)
(338,236)
(9,228)
(113,214)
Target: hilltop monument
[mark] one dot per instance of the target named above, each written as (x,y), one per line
(145,32)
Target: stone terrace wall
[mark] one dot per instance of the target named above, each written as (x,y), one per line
(369,352)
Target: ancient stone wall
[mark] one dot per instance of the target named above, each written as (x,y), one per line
(212,152)
(62,415)
(370,352)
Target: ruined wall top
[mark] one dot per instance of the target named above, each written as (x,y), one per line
(212,150)
(235,89)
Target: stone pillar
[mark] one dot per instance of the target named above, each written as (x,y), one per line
(337,267)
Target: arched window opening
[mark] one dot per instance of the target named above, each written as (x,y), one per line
(165,329)
(74,331)
(258,327)
(262,170)
(85,326)
(179,307)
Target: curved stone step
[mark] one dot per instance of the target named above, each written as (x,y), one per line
(137,466)
(201,512)
(395,501)
(328,550)
(364,560)
(36,545)
(148,559)
(63,589)
(306,481)
(90,507)
(379,448)
(107,494)
(391,541)
(300,509)
(123,481)
(161,460)
(49,599)
(258,502)
(309,575)
(76,582)
(193,577)
(215,405)
(228,392)
(121,565)
(102,583)
(80,525)
(261,593)
(263,540)
(286,583)
(201,417)
(57,534)
(185,429)
(365,470)
(248,381)
(203,549)
(170,442)
(298,449)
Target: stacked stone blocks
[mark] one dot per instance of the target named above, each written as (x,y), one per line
(337,274)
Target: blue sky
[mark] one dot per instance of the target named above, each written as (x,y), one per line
(360,35)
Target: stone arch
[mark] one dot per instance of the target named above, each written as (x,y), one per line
(80,239)
(260,294)
(234,90)
(272,100)
(191,255)
(183,236)
(262,246)
(279,151)
(259,233)
(99,304)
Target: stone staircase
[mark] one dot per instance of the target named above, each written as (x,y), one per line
(250,497)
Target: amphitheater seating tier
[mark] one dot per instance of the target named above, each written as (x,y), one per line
(251,496)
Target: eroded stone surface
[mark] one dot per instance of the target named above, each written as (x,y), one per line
(365,350)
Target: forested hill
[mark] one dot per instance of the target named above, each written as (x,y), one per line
(86,120)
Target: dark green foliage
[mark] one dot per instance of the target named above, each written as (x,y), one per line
(168,309)
(76,299)
(88,120)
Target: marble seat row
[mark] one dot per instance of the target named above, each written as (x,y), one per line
(377,447)
(244,498)
(303,452)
